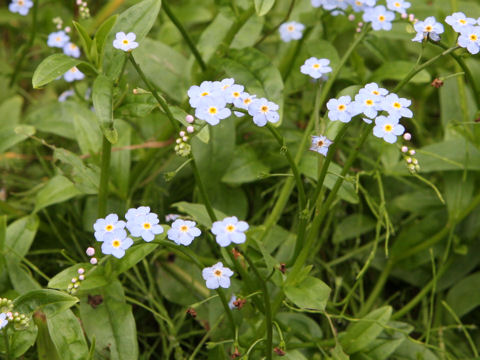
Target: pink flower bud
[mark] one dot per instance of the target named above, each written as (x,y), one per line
(189,119)
(412,152)
(81,277)
(190,129)
(81,271)
(182,133)
(404,149)
(407,136)
(351,17)
(404,16)
(93,261)
(185,138)
(90,251)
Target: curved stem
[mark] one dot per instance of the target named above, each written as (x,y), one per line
(203,191)
(163,104)
(185,35)
(104,175)
(18,64)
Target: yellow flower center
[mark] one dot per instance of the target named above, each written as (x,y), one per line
(397,105)
(73,46)
(109,227)
(264,108)
(320,143)
(428,28)
(375,92)
(388,128)
(473,37)
(358,3)
(205,93)
(58,38)
(462,21)
(217,272)
(381,18)
(397,4)
(230,228)
(147,226)
(225,87)
(116,243)
(290,28)
(20,2)
(184,228)
(316,66)
(369,102)
(74,69)
(125,41)
(247,101)
(341,107)
(236,94)
(212,110)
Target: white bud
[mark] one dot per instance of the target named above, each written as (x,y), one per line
(81,271)
(412,152)
(189,119)
(407,136)
(415,161)
(185,138)
(74,280)
(178,141)
(75,286)
(358,30)
(81,277)
(404,16)
(182,133)
(90,251)
(351,17)
(68,29)
(404,149)
(93,261)
(190,129)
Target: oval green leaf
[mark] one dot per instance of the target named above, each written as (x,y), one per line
(51,68)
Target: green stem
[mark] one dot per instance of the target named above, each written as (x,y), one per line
(7,344)
(272,30)
(291,161)
(104,174)
(185,35)
(377,289)
(203,191)
(19,62)
(163,104)
(224,300)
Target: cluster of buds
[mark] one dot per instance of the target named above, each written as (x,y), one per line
(8,316)
(58,21)
(90,252)
(182,147)
(6,305)
(83,9)
(75,282)
(409,156)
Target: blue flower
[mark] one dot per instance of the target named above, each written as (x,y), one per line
(367,104)
(316,68)
(362,5)
(399,6)
(73,74)
(231,304)
(380,17)
(229,230)
(291,31)
(263,111)
(145,226)
(372,89)
(107,225)
(183,232)
(388,128)
(125,42)
(65,95)
(20,6)
(340,109)
(198,94)
(243,102)
(396,107)
(217,276)
(71,49)
(116,242)
(3,320)
(212,109)
(320,144)
(470,39)
(428,28)
(58,39)
(459,21)
(337,5)
(232,93)
(132,213)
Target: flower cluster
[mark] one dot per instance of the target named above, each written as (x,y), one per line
(369,101)
(75,282)
(211,98)
(408,155)
(468,29)
(20,6)
(182,147)
(19,321)
(113,236)
(83,9)
(291,31)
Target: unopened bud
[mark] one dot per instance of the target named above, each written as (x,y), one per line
(93,261)
(182,133)
(90,251)
(404,149)
(351,17)
(412,152)
(407,136)
(189,119)
(81,271)
(81,277)
(190,129)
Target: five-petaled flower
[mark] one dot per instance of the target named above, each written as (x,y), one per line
(320,144)
(459,21)
(316,68)
(145,226)
(20,6)
(73,74)
(3,320)
(183,232)
(58,39)
(380,17)
(291,31)
(399,6)
(125,42)
(212,110)
(388,128)
(340,109)
(396,107)
(230,230)
(116,242)
(107,225)
(217,276)
(71,49)
(263,111)
(429,28)
(470,39)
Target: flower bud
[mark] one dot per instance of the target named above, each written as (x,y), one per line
(407,136)
(93,261)
(189,119)
(190,129)
(90,251)
(404,149)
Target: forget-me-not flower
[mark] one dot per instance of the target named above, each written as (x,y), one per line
(3,320)
(230,230)
(367,104)
(320,144)
(362,5)
(396,107)
(115,243)
(232,93)
(198,94)
(125,42)
(72,50)
(73,74)
(291,30)
(372,89)
(399,6)
(428,28)
(20,6)
(58,39)
(263,111)
(212,110)
(470,39)
(380,17)
(243,102)
(316,68)
(107,225)
(217,276)
(183,232)
(133,213)
(340,109)
(388,128)
(459,21)
(65,95)
(145,226)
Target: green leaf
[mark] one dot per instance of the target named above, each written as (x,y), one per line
(94,277)
(19,237)
(120,161)
(262,7)
(85,177)
(67,336)
(102,96)
(51,68)
(10,132)
(138,19)
(101,36)
(362,333)
(464,296)
(136,254)
(85,39)
(58,189)
(20,341)
(45,347)
(397,70)
(51,302)
(353,226)
(245,166)
(198,212)
(111,323)
(213,35)
(311,293)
